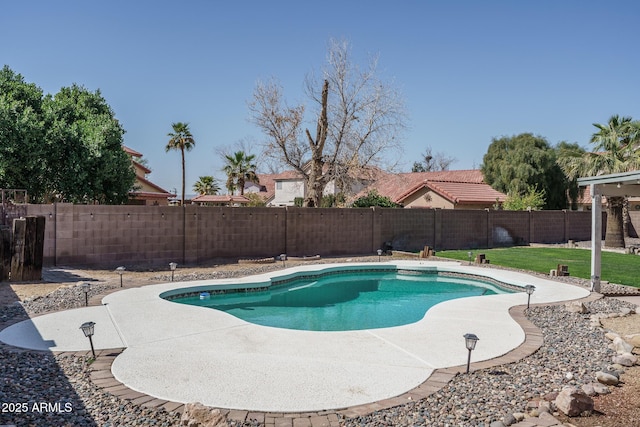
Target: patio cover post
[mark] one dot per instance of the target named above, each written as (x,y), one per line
(596,238)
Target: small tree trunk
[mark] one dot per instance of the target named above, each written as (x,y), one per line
(614,237)
(625,217)
(315,184)
(241,185)
(183,176)
(315,179)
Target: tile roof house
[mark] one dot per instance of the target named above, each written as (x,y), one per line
(219,200)
(457,189)
(584,202)
(144,191)
(265,187)
(277,189)
(460,189)
(282,189)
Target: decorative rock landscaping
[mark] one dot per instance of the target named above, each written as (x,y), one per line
(531,390)
(573,402)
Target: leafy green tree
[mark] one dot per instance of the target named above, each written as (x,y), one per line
(65,147)
(21,134)
(616,147)
(531,200)
(566,149)
(332,200)
(181,139)
(514,164)
(206,185)
(373,198)
(86,162)
(240,169)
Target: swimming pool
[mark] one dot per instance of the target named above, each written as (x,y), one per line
(345,300)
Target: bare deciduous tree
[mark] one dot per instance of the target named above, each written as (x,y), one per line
(358,119)
(433,162)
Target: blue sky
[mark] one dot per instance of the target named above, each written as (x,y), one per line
(469,70)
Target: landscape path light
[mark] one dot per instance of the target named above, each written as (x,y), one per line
(470,341)
(85,289)
(469,254)
(120,270)
(172,266)
(530,289)
(283,258)
(379,255)
(87,328)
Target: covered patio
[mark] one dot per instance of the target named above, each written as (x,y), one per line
(626,184)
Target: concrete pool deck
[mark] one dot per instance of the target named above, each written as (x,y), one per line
(185,353)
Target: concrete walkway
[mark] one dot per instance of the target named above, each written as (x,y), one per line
(185,353)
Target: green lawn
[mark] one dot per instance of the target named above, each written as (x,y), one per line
(616,268)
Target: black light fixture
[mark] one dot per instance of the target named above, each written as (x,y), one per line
(120,270)
(172,266)
(85,289)
(470,341)
(87,328)
(530,289)
(379,255)
(283,258)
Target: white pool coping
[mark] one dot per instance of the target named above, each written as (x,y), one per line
(186,353)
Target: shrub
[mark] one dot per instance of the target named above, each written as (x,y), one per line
(374,199)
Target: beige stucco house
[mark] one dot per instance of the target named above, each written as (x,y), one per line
(144,191)
(457,189)
(460,189)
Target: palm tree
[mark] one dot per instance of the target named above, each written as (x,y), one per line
(616,149)
(181,139)
(239,169)
(206,185)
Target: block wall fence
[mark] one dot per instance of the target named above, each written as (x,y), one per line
(108,236)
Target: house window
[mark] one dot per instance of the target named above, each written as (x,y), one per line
(278,185)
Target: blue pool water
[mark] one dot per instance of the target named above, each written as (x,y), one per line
(346,301)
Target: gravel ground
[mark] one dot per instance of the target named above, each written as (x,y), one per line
(42,389)
(492,395)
